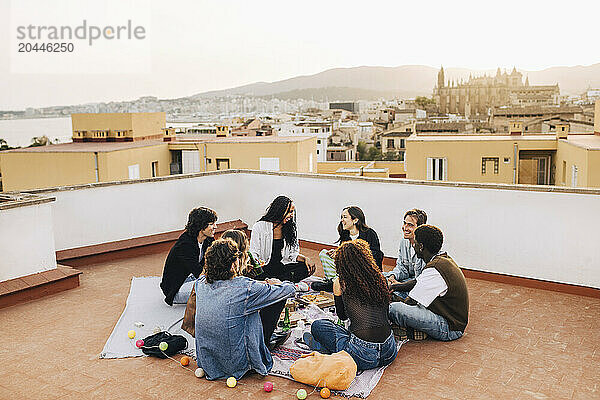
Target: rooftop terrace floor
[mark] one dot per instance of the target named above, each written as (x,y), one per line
(521,343)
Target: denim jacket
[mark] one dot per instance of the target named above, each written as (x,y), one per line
(408,265)
(229,334)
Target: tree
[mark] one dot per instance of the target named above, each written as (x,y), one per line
(390,155)
(3,144)
(374,154)
(423,102)
(361,149)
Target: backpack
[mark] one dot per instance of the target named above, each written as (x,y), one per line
(176,343)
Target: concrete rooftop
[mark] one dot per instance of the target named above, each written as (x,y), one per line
(521,343)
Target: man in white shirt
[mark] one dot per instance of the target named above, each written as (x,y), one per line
(438,300)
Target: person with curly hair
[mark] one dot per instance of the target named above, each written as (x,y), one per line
(268,315)
(438,299)
(228,328)
(361,295)
(274,240)
(185,260)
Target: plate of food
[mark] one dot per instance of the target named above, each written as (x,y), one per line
(321,299)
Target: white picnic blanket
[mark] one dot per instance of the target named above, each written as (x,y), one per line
(146,311)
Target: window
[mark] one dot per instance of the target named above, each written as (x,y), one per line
(437,169)
(564,172)
(390,143)
(317,151)
(269,163)
(318,141)
(574,171)
(486,160)
(402,143)
(154,169)
(222,163)
(134,171)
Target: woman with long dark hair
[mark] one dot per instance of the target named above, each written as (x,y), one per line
(274,240)
(361,295)
(353,225)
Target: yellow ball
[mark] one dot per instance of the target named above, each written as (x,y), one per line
(301,394)
(131,334)
(163,346)
(231,382)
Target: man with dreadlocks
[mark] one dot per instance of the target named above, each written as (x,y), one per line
(438,300)
(361,295)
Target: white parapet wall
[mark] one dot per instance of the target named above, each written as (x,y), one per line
(535,232)
(26,236)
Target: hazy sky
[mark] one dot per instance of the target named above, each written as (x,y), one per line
(195,46)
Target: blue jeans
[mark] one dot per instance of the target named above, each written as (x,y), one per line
(332,338)
(422,319)
(183,294)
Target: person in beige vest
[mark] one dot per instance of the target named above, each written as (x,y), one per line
(438,299)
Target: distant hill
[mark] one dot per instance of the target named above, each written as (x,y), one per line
(340,93)
(405,81)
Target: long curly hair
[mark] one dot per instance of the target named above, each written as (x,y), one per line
(359,275)
(219,260)
(276,213)
(240,238)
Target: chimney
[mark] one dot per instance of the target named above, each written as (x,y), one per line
(223,131)
(562,130)
(516,128)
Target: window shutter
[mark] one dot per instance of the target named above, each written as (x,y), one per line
(429,169)
(445,163)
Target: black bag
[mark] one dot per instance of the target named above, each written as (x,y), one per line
(176,343)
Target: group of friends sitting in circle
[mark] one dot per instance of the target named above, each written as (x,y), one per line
(238,305)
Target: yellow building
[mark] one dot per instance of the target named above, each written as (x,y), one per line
(117,127)
(561,158)
(79,163)
(272,153)
(120,146)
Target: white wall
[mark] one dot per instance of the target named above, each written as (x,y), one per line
(544,235)
(104,214)
(26,241)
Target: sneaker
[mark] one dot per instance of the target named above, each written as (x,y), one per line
(416,335)
(399,332)
(311,342)
(322,286)
(278,338)
(402,333)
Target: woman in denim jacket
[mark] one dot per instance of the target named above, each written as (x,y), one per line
(229,337)
(361,295)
